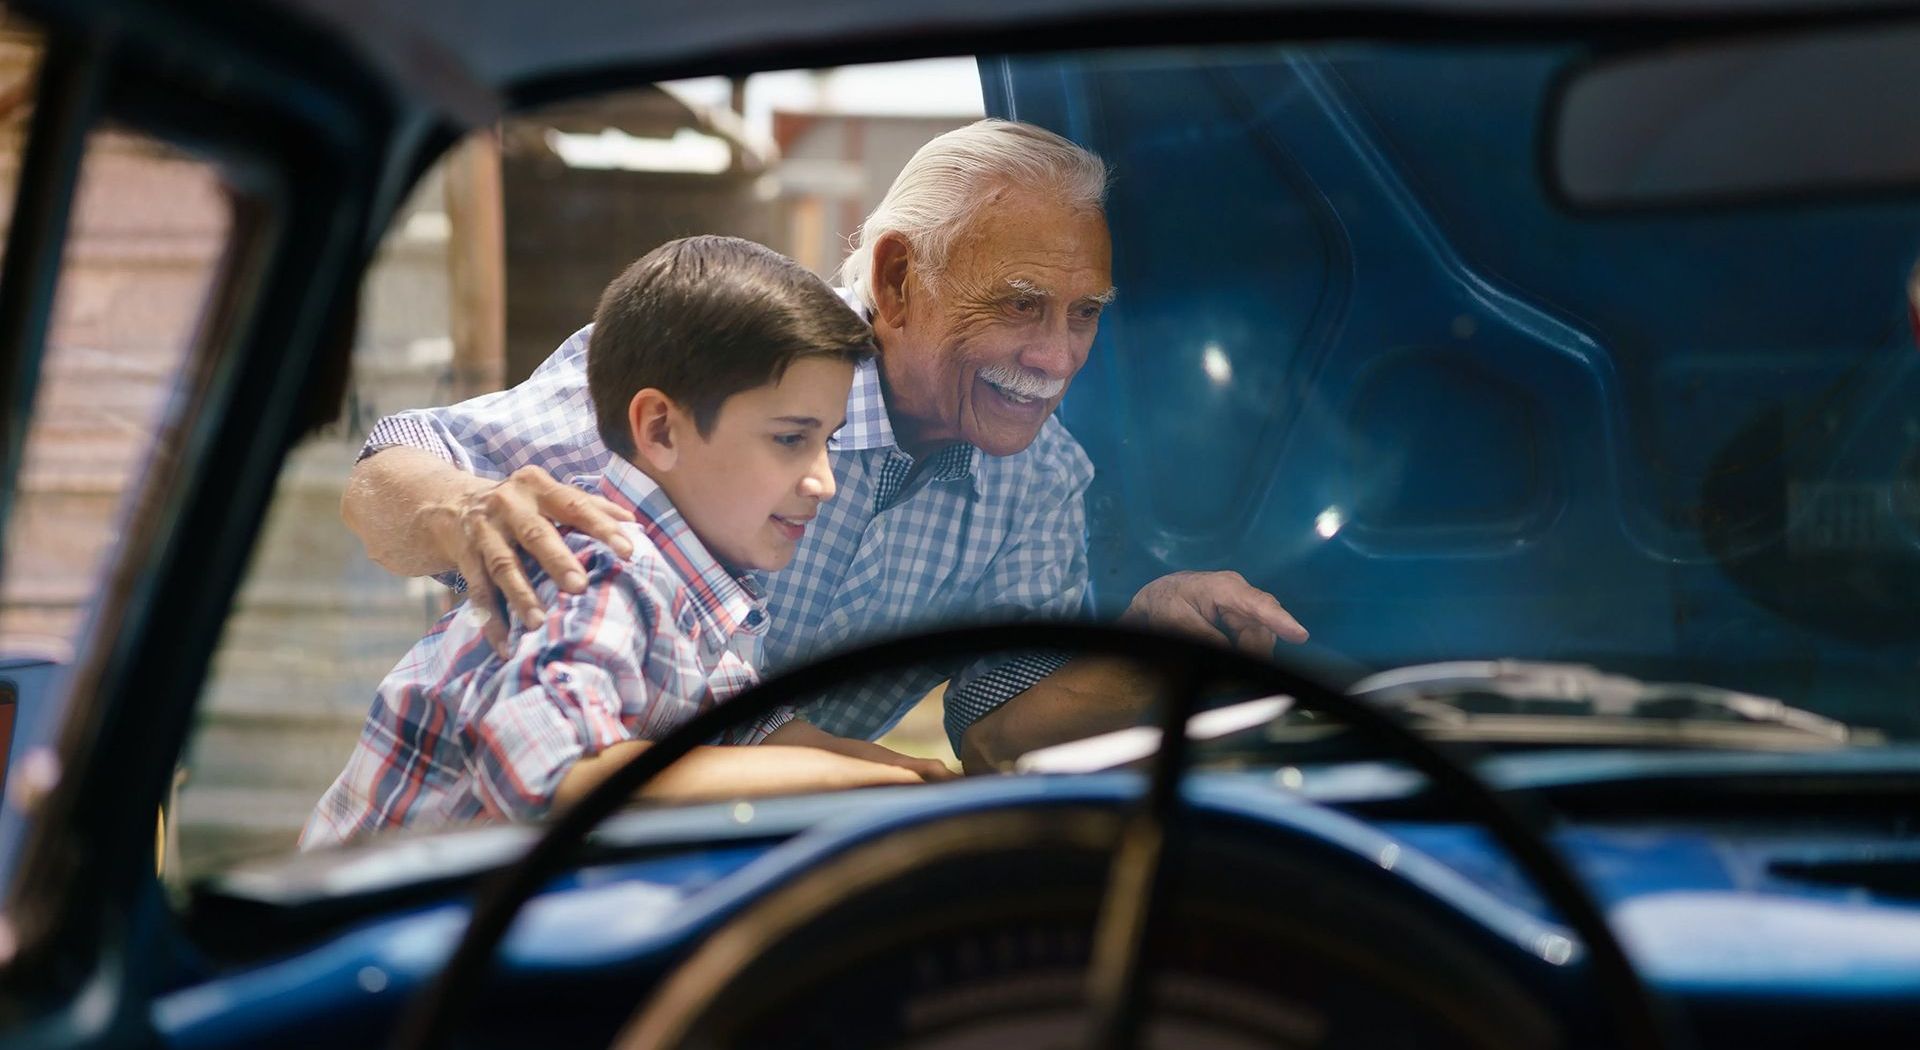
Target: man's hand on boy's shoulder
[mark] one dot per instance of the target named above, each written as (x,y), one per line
(483,531)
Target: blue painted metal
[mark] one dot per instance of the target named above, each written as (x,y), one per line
(1675,444)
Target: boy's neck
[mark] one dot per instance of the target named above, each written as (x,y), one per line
(667,484)
(637,494)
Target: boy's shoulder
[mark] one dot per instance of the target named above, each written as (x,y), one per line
(660,572)
(668,565)
(649,566)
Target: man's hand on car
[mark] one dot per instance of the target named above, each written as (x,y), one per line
(1092,695)
(1215,607)
(483,532)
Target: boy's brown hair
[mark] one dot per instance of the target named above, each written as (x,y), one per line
(702,318)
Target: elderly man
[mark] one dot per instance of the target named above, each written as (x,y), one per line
(983,273)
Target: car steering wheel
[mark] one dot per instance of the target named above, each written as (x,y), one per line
(1138,851)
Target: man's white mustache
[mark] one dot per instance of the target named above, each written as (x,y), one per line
(1022,383)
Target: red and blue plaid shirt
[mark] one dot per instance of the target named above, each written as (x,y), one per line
(457,734)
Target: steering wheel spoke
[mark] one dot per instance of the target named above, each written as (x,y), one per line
(1119,977)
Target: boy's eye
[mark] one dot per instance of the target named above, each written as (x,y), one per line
(790,440)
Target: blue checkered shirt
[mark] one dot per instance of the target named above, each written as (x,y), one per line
(968,538)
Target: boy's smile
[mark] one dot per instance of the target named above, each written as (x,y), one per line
(750,487)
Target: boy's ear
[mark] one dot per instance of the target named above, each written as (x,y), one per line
(892,264)
(650,421)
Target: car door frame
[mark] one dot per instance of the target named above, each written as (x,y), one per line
(301,131)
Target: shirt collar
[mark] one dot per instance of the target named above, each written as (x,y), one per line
(869,427)
(723,600)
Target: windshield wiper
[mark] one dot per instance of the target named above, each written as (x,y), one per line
(1476,696)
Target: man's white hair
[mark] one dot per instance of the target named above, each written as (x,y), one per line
(953,175)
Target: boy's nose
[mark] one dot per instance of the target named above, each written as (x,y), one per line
(818,482)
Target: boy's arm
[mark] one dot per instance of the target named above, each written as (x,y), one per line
(565,709)
(599,671)
(722,771)
(798,732)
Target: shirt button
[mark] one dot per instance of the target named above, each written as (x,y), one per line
(754,618)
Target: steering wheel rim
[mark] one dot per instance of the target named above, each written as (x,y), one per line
(883,924)
(1637,1014)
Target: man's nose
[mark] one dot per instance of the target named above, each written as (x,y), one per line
(818,481)
(1054,351)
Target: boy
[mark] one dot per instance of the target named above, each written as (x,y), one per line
(717,370)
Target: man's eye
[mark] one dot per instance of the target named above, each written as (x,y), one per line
(1025,304)
(1088,313)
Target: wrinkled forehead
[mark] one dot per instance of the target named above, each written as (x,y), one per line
(1039,246)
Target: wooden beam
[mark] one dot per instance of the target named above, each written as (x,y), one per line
(477,265)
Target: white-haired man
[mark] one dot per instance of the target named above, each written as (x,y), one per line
(983,273)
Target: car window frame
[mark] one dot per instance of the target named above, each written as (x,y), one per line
(302,165)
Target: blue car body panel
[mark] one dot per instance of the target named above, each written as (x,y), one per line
(1363,356)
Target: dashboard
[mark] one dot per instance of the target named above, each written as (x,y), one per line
(1767,928)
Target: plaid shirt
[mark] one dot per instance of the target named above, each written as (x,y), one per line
(968,538)
(457,734)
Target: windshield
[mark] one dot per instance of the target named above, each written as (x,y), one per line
(1337,334)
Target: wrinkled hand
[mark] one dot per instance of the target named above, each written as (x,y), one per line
(1215,607)
(483,533)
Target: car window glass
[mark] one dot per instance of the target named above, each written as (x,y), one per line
(148,234)
(149,227)
(1356,353)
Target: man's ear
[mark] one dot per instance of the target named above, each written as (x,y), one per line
(892,268)
(650,422)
